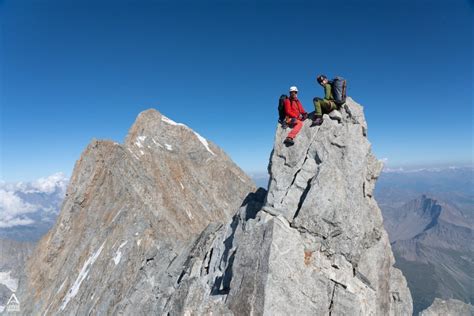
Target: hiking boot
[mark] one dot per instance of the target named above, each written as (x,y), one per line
(317,121)
(289,141)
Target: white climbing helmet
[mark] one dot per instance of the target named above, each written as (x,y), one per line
(293,88)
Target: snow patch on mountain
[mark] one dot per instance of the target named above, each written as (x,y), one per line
(140,141)
(171,122)
(118,254)
(204,142)
(201,139)
(82,275)
(8,281)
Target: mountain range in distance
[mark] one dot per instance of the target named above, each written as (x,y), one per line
(29,209)
(429,216)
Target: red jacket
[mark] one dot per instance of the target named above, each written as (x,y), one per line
(293,108)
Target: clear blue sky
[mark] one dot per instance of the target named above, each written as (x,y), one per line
(75,70)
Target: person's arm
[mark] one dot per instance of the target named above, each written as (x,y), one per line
(327,92)
(301,108)
(289,110)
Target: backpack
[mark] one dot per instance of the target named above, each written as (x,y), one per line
(281,108)
(338,86)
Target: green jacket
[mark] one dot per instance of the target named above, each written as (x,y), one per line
(328,92)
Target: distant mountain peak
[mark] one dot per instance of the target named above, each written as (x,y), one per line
(154,131)
(432,242)
(129,207)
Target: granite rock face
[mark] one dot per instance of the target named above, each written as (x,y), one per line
(130,211)
(323,187)
(313,245)
(317,247)
(449,307)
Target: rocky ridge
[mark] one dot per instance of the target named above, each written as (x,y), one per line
(130,211)
(317,246)
(314,244)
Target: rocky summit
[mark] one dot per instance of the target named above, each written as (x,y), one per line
(166,224)
(317,246)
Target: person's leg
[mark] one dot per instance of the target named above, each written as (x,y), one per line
(320,105)
(317,107)
(327,106)
(295,130)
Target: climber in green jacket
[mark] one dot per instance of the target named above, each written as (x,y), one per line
(325,105)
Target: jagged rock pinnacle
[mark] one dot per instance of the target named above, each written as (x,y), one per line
(317,246)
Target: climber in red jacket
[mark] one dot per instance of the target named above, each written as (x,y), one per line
(295,115)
